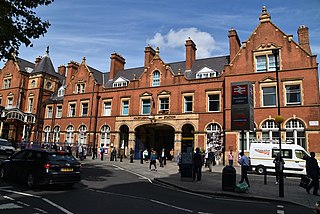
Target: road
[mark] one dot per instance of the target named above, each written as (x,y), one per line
(106,188)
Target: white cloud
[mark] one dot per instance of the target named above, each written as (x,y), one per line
(175,39)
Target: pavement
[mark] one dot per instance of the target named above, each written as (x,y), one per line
(211,182)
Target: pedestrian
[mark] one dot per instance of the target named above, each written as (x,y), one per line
(245,164)
(277,161)
(230,158)
(94,152)
(145,155)
(101,152)
(121,154)
(179,161)
(141,156)
(197,165)
(172,154)
(312,172)
(81,152)
(131,155)
(210,159)
(162,158)
(114,153)
(153,160)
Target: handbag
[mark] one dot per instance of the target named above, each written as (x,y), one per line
(305,181)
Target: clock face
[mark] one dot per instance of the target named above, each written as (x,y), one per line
(48,85)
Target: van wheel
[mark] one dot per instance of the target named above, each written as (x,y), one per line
(260,170)
(30,180)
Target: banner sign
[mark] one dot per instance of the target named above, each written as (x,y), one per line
(242,108)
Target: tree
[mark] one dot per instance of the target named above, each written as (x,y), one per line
(19,24)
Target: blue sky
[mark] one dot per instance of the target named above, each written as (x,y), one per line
(97,28)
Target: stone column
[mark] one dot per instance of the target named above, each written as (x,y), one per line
(177,144)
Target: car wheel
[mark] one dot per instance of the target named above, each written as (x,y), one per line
(3,175)
(260,170)
(30,180)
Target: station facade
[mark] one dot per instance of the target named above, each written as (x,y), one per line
(160,104)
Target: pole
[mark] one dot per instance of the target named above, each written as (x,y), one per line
(242,138)
(281,181)
(94,150)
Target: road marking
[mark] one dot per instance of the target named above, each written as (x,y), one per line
(9,206)
(280,209)
(7,197)
(35,196)
(22,203)
(40,210)
(118,167)
(172,206)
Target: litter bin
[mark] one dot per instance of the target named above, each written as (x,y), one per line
(228,178)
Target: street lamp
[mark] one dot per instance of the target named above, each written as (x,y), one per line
(279,119)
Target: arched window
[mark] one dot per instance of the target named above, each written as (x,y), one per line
(105,136)
(82,137)
(33,83)
(295,132)
(47,134)
(56,134)
(156,78)
(270,130)
(213,135)
(70,134)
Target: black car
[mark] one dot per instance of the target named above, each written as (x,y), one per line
(41,167)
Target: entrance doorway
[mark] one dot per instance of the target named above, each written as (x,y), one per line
(154,136)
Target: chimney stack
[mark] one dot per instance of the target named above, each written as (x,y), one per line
(303,36)
(190,53)
(38,59)
(117,64)
(149,53)
(62,70)
(234,43)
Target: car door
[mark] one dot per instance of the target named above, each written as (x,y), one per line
(15,165)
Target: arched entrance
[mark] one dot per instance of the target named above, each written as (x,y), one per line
(154,136)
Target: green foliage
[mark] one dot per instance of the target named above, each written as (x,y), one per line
(19,24)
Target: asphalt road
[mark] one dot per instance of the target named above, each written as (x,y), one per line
(107,189)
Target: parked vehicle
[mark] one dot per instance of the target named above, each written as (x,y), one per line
(263,154)
(6,148)
(41,167)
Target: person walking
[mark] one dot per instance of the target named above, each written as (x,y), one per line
(312,168)
(210,159)
(153,160)
(172,154)
(121,154)
(101,152)
(94,152)
(179,161)
(114,154)
(197,165)
(230,158)
(277,161)
(245,164)
(131,155)
(145,155)
(162,158)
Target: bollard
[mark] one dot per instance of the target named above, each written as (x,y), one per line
(265,176)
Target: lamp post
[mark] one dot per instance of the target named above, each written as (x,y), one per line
(279,119)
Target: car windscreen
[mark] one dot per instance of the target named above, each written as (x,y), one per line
(61,157)
(4,143)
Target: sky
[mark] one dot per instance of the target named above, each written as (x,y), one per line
(95,29)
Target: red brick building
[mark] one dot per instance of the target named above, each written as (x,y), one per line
(160,104)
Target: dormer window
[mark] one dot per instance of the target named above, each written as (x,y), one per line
(206,73)
(61,92)
(156,78)
(120,82)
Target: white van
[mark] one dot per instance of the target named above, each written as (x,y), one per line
(263,154)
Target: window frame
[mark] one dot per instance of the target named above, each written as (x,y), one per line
(269,61)
(59,111)
(274,95)
(145,105)
(107,108)
(49,111)
(84,107)
(70,109)
(286,95)
(214,100)
(163,104)
(187,103)
(125,107)
(156,78)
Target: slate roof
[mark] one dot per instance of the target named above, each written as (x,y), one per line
(215,63)
(24,64)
